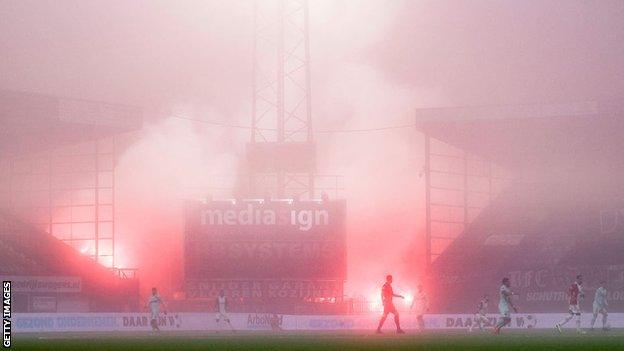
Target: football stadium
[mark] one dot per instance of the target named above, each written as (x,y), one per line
(312,175)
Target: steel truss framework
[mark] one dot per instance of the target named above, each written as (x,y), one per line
(281,110)
(297,186)
(458,185)
(223,186)
(281,99)
(68,192)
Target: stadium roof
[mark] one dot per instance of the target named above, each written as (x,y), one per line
(33,122)
(571,134)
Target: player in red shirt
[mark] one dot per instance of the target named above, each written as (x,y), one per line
(576,294)
(386,297)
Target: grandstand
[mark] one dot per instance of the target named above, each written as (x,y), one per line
(57,161)
(558,215)
(29,254)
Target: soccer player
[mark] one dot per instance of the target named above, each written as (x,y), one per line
(221,309)
(505,305)
(275,323)
(386,298)
(576,294)
(600,306)
(480,317)
(422,306)
(154,304)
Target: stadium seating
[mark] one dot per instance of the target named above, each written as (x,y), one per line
(540,235)
(27,251)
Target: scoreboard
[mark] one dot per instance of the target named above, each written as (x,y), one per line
(264,250)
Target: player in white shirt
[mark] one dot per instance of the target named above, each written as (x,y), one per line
(221,307)
(600,306)
(505,305)
(422,305)
(275,323)
(153,304)
(480,317)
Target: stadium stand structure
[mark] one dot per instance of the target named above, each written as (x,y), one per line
(34,122)
(57,163)
(31,254)
(560,215)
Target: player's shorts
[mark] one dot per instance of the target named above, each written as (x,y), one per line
(600,308)
(389,308)
(154,314)
(575,309)
(504,310)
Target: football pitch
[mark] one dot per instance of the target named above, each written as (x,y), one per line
(510,340)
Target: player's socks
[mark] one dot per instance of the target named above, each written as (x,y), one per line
(397,322)
(558,327)
(154,325)
(566,320)
(500,325)
(481,322)
(381,323)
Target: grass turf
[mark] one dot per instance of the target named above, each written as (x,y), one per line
(456,340)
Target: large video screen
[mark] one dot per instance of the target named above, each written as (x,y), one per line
(270,241)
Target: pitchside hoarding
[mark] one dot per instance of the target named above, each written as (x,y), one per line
(265,289)
(258,249)
(547,289)
(44,284)
(536,290)
(90,322)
